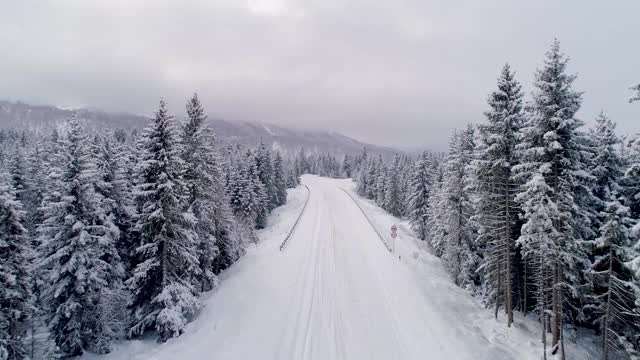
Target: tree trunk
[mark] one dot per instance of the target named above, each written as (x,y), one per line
(561,311)
(605,322)
(508,306)
(555,320)
(498,289)
(543,315)
(524,288)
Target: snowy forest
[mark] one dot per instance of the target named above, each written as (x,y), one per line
(531,211)
(112,235)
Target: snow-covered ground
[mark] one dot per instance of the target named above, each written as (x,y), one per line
(336,292)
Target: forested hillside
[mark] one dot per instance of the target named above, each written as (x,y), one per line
(531,211)
(42,119)
(108,234)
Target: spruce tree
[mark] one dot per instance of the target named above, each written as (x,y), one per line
(206,196)
(539,244)
(255,198)
(460,257)
(392,196)
(15,280)
(380,173)
(616,291)
(497,209)
(636,96)
(265,174)
(608,164)
(114,185)
(421,190)
(346,166)
(551,147)
(436,219)
(163,295)
(77,251)
(631,178)
(18,172)
(279,181)
(374,183)
(363,179)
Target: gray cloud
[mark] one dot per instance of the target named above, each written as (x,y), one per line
(402,72)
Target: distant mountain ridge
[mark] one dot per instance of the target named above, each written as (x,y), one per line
(41,118)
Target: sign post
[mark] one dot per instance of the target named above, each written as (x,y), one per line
(394,234)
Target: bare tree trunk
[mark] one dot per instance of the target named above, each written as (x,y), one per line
(558,225)
(33,334)
(555,326)
(605,323)
(543,315)
(498,274)
(507,292)
(524,288)
(561,311)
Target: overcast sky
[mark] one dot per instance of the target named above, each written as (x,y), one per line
(394,72)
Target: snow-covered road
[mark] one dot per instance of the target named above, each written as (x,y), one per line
(350,298)
(336,292)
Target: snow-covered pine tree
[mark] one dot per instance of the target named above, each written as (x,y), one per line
(18,172)
(373,170)
(52,163)
(161,285)
(256,199)
(551,146)
(459,256)
(77,251)
(231,244)
(636,96)
(292,179)
(301,165)
(114,186)
(362,174)
(15,280)
(202,180)
(631,180)
(616,289)
(497,210)
(346,166)
(392,195)
(538,242)
(437,223)
(421,189)
(265,173)
(237,185)
(46,176)
(607,169)
(206,196)
(279,180)
(247,194)
(608,165)
(380,173)
(406,171)
(36,178)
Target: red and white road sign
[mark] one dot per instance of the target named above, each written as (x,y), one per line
(394,230)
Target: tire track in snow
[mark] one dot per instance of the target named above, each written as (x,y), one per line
(288,342)
(314,283)
(374,270)
(336,316)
